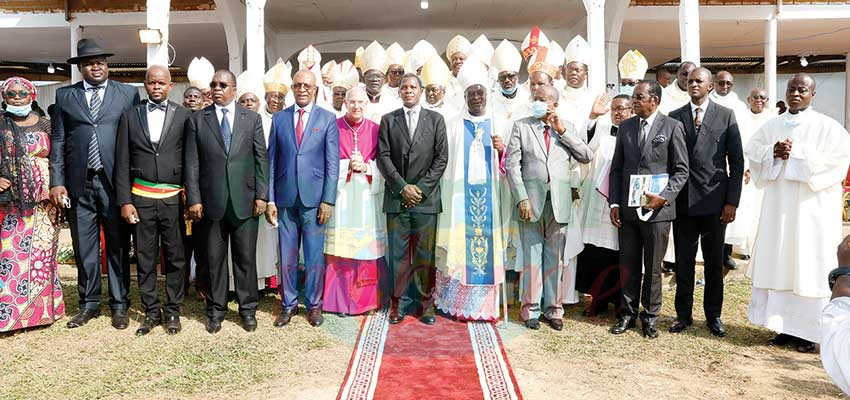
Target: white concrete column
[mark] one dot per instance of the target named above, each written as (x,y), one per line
(158,18)
(76,32)
(847,91)
(255,36)
(232,16)
(596,39)
(770,60)
(689,30)
(615,14)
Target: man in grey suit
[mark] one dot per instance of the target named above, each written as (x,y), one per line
(649,143)
(542,151)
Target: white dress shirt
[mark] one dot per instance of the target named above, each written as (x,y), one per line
(306,117)
(100,91)
(156,120)
(649,121)
(231,110)
(703,109)
(417,109)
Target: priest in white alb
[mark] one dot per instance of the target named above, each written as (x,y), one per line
(435,76)
(675,95)
(456,52)
(373,64)
(470,232)
(396,59)
(799,159)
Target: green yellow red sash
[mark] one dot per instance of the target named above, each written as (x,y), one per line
(152,190)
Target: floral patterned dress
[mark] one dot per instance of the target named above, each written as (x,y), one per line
(30,293)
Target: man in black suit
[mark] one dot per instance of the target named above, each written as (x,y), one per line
(148,185)
(82,156)
(708,201)
(649,143)
(412,157)
(226,171)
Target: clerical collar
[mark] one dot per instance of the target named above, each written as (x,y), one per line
(373,99)
(472,118)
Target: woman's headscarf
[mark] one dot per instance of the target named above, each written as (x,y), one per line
(17,80)
(15,163)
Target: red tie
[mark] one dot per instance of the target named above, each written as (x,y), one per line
(299,129)
(546,138)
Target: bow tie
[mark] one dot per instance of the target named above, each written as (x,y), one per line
(154,106)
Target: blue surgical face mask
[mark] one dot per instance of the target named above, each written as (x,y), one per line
(19,111)
(509,92)
(627,89)
(539,109)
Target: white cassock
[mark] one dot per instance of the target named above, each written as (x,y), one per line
(390,93)
(594,212)
(800,224)
(574,105)
(470,233)
(835,342)
(672,98)
(511,109)
(444,110)
(739,232)
(747,214)
(385,105)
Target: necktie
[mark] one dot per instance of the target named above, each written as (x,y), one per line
(299,128)
(697,119)
(546,138)
(411,123)
(157,106)
(93,158)
(226,134)
(642,133)
(614,130)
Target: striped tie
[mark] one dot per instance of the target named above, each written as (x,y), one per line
(94,162)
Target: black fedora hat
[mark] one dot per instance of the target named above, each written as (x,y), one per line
(88,48)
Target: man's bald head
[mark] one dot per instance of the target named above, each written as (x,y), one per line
(757,100)
(699,84)
(723,82)
(158,83)
(799,92)
(549,92)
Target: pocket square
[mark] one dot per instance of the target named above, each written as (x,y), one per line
(659,139)
(315,129)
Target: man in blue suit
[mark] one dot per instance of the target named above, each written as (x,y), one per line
(304,154)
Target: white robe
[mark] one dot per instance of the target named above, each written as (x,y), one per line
(835,342)
(594,213)
(452,242)
(385,105)
(801,224)
(672,98)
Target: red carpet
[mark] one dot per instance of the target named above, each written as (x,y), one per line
(411,360)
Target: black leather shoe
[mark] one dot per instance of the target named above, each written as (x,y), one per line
(805,346)
(284,317)
(120,319)
(214,325)
(554,323)
(82,318)
(780,340)
(172,324)
(249,323)
(680,325)
(532,323)
(668,267)
(396,315)
(623,324)
(650,331)
(427,317)
(148,324)
(715,325)
(314,316)
(728,262)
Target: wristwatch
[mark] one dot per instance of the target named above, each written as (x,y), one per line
(834,274)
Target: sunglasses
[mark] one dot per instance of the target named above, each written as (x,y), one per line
(759,97)
(10,94)
(222,85)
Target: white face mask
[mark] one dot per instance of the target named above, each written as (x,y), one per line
(539,109)
(19,111)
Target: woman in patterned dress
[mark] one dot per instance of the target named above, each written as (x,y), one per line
(30,293)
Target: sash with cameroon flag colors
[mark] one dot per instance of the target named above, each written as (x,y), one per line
(152,190)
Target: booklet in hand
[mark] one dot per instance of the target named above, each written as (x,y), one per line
(639,185)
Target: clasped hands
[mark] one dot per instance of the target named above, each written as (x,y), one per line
(411,196)
(782,149)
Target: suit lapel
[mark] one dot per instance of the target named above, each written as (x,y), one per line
(537,129)
(653,131)
(215,128)
(235,135)
(690,128)
(80,95)
(166,126)
(142,112)
(401,120)
(706,132)
(308,126)
(109,96)
(289,126)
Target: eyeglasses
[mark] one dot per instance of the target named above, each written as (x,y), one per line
(222,85)
(621,109)
(396,72)
(507,76)
(641,97)
(759,97)
(300,86)
(10,94)
(724,83)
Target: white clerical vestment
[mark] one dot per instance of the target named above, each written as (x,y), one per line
(470,234)
(672,98)
(385,105)
(800,222)
(835,342)
(594,213)
(511,109)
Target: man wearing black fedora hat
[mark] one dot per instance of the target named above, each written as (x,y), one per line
(82,156)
